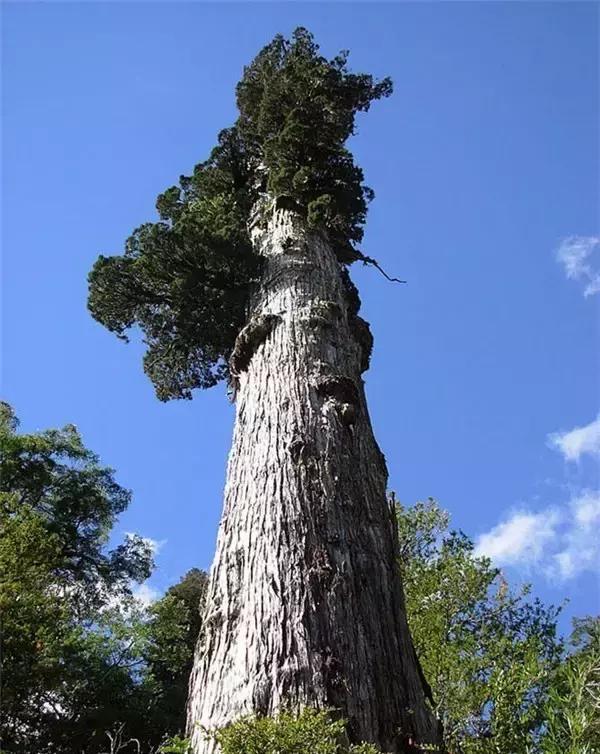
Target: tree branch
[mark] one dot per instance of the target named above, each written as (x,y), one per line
(369,260)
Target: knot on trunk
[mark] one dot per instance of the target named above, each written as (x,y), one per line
(249,339)
(341,389)
(362,335)
(343,392)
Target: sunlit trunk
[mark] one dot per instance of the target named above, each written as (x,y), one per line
(305,602)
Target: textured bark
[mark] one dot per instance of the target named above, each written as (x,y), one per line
(305,602)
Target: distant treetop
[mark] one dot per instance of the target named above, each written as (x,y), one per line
(185,280)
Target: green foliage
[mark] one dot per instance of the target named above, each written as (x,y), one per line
(309,732)
(173,626)
(186,280)
(81,659)
(573,705)
(297,109)
(489,653)
(64,654)
(175,745)
(76,501)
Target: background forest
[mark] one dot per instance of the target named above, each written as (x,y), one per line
(93,670)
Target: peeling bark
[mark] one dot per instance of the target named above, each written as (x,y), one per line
(305,603)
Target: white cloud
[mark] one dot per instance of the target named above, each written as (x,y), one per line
(521,539)
(579,256)
(561,543)
(587,509)
(580,543)
(576,442)
(145,594)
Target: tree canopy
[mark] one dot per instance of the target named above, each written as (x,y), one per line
(81,657)
(186,280)
(490,653)
(572,708)
(57,508)
(172,631)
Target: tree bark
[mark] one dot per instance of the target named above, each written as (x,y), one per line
(305,602)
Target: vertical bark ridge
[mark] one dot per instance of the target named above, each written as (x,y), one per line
(305,603)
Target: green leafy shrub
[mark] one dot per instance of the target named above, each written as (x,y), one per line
(309,732)
(175,745)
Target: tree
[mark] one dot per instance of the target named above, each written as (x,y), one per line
(172,632)
(65,652)
(490,654)
(82,660)
(245,277)
(572,710)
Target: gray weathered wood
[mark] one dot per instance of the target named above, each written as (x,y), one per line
(305,602)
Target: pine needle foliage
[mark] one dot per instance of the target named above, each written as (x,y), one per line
(186,280)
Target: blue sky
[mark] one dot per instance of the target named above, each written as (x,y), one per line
(484,383)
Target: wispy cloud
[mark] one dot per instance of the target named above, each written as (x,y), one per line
(580,544)
(561,542)
(145,594)
(578,441)
(521,539)
(580,257)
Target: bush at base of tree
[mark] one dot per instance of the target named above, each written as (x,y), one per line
(308,732)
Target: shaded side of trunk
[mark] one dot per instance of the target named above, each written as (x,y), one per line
(305,602)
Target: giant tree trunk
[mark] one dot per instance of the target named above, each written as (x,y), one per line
(305,604)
